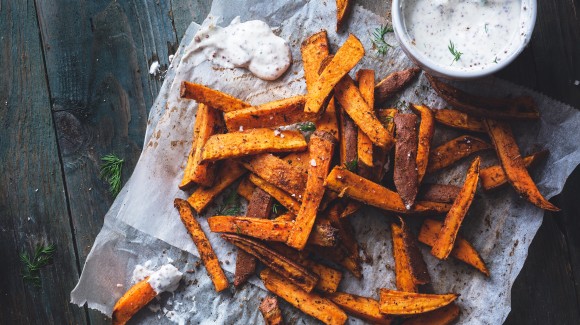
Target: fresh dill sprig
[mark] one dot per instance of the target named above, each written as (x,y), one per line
(386,119)
(278,208)
(351,165)
(378,39)
(111,172)
(306,126)
(42,257)
(456,54)
(231,206)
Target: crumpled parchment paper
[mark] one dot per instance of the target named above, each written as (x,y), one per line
(143,225)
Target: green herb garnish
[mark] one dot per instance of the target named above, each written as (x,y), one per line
(278,208)
(456,54)
(485,26)
(42,257)
(111,172)
(378,39)
(386,119)
(495,61)
(231,205)
(351,165)
(238,230)
(307,127)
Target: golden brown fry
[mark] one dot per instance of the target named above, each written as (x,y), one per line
(441,316)
(281,196)
(403,273)
(228,173)
(360,307)
(137,297)
(440,192)
(342,11)
(246,189)
(265,229)
(366,85)
(213,98)
(310,303)
(405,170)
(459,120)
(512,163)
(426,129)
(323,234)
(206,253)
(271,311)
(448,153)
(335,215)
(344,60)
(277,113)
(251,142)
(279,173)
(462,250)
(498,108)
(295,273)
(493,177)
(394,83)
(446,238)
(410,303)
(351,100)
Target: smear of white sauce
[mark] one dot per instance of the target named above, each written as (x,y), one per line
(250,44)
(166,279)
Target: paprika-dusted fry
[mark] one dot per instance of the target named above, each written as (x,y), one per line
(291,270)
(497,108)
(251,142)
(323,234)
(446,237)
(493,177)
(410,303)
(265,229)
(208,121)
(277,113)
(298,160)
(462,250)
(278,172)
(459,120)
(394,83)
(405,171)
(321,148)
(440,192)
(342,11)
(426,129)
(513,165)
(310,303)
(361,307)
(204,248)
(271,311)
(137,297)
(410,268)
(335,215)
(386,116)
(344,60)
(366,86)
(281,196)
(442,316)
(348,140)
(450,152)
(246,188)
(211,97)
(228,173)
(351,100)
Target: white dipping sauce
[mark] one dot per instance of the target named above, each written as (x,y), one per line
(484,31)
(165,279)
(250,45)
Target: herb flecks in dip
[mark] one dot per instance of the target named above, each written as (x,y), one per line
(483,31)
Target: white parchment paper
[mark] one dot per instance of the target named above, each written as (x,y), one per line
(143,225)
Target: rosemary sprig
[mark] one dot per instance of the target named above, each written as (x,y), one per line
(378,39)
(456,54)
(111,172)
(351,165)
(231,205)
(306,126)
(42,257)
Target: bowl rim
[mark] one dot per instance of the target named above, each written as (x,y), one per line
(439,70)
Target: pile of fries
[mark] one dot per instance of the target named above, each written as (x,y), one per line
(324,175)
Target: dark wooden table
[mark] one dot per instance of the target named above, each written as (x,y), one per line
(75,86)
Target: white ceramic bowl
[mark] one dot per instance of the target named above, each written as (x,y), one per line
(528,20)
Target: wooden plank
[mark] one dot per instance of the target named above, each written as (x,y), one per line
(186,11)
(32,199)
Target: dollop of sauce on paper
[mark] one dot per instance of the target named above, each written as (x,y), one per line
(165,279)
(251,45)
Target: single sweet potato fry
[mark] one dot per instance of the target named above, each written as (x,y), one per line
(246,188)
(213,98)
(291,270)
(265,229)
(342,11)
(497,108)
(360,307)
(448,153)
(351,100)
(281,196)
(271,311)
(251,142)
(228,173)
(278,172)
(493,177)
(366,86)
(446,238)
(137,297)
(348,140)
(405,172)
(462,250)
(459,120)
(204,248)
(513,165)
(409,303)
(426,129)
(348,243)
(310,303)
(277,113)
(394,83)
(321,148)
(344,60)
(442,316)
(386,116)
(323,234)
(440,192)
(410,268)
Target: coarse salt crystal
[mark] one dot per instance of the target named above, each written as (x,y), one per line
(241,129)
(154,68)
(577,82)
(276,132)
(119,285)
(313,162)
